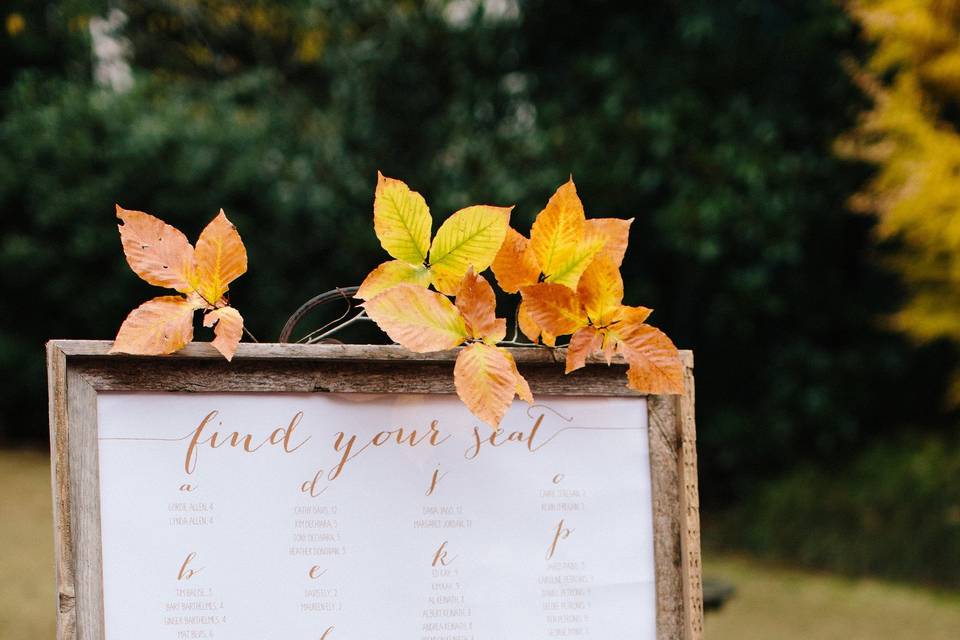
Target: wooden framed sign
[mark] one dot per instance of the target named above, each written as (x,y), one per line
(342,492)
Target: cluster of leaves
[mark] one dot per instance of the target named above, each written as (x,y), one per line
(567,272)
(162,255)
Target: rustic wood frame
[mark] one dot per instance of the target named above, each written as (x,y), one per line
(78,370)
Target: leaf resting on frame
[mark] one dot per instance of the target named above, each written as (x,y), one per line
(515,265)
(477,303)
(554,307)
(159,326)
(419,319)
(227,326)
(485,380)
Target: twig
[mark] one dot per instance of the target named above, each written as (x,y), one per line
(360,317)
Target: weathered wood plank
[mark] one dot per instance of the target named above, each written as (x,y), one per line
(85,506)
(690,508)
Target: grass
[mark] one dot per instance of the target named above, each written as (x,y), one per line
(771,603)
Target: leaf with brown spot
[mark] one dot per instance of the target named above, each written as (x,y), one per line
(159,326)
(156,251)
(227,326)
(419,319)
(220,258)
(485,380)
(554,307)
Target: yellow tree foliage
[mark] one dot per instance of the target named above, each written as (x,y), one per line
(911,135)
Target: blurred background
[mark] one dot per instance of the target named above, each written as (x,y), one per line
(793,168)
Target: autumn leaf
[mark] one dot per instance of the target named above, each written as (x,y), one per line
(419,319)
(162,255)
(227,326)
(601,291)
(583,343)
(655,365)
(523,389)
(477,304)
(219,259)
(557,233)
(515,265)
(391,273)
(156,251)
(530,328)
(554,307)
(401,220)
(615,233)
(487,380)
(159,326)
(470,237)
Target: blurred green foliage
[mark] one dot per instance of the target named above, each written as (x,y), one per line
(894,512)
(710,122)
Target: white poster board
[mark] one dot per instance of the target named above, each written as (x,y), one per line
(372,517)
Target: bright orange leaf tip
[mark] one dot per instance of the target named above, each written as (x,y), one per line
(562,244)
(401,219)
(485,376)
(162,256)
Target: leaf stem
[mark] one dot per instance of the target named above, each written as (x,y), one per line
(360,317)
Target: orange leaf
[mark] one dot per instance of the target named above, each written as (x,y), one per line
(554,307)
(557,233)
(634,315)
(615,232)
(485,381)
(390,274)
(156,251)
(477,303)
(527,324)
(583,343)
(419,319)
(159,326)
(654,361)
(220,258)
(601,291)
(228,329)
(515,265)
(522,388)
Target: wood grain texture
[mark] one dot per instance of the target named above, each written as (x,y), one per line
(77,370)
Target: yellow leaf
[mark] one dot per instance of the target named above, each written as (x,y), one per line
(392,273)
(554,307)
(601,291)
(220,258)
(515,265)
(227,326)
(419,319)
(401,220)
(477,303)
(156,251)
(159,326)
(568,272)
(522,388)
(471,237)
(557,233)
(616,235)
(655,365)
(584,342)
(485,380)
